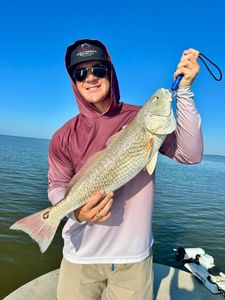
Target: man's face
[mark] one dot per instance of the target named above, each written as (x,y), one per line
(94,89)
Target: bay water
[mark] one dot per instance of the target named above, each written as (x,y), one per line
(189,210)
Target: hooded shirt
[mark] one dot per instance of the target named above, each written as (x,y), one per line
(126,237)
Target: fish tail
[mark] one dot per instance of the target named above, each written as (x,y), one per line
(41,226)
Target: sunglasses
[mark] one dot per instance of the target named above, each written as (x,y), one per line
(98,71)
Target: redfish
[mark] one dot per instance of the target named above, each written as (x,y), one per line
(129,151)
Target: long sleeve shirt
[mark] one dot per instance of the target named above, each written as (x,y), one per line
(126,237)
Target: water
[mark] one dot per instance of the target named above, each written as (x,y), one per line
(189,210)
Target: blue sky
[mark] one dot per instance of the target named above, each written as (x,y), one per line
(144,38)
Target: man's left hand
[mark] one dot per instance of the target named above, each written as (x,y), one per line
(188,66)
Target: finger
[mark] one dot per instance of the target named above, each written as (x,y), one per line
(185,63)
(105,202)
(105,210)
(184,71)
(194,52)
(189,56)
(105,217)
(94,199)
(191,62)
(102,213)
(187,68)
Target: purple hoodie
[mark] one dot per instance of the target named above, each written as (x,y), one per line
(77,140)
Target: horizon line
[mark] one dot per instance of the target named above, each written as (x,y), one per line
(48,139)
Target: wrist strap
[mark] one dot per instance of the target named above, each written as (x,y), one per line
(201,55)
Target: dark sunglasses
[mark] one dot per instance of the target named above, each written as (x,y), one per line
(98,71)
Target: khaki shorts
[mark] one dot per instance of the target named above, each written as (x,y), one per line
(95,282)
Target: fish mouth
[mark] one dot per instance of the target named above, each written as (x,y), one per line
(168,95)
(165,93)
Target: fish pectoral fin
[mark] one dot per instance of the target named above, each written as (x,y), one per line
(149,145)
(151,165)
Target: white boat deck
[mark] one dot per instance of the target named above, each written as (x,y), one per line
(169,284)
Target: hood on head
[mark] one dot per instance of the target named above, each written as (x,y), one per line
(86,108)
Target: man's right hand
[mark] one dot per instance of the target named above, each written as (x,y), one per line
(97,209)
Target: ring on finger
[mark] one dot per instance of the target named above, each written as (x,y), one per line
(98,215)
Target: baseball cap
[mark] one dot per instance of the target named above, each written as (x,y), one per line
(86,51)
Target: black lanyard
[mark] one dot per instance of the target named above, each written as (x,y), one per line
(205,63)
(177,81)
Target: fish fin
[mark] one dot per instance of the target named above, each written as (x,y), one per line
(151,165)
(114,137)
(149,145)
(41,226)
(95,157)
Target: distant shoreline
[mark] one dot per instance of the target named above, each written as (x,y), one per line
(24,137)
(36,138)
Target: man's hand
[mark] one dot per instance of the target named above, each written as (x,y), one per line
(188,66)
(97,209)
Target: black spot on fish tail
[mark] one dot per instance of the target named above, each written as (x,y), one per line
(46,215)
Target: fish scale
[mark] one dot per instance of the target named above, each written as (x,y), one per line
(131,162)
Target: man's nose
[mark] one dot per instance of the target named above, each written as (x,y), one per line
(91,77)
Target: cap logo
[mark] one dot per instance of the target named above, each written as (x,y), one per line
(86,50)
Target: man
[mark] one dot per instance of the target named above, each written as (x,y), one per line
(107,242)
